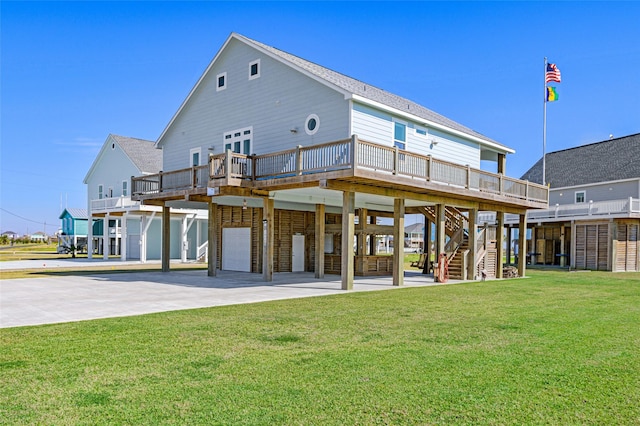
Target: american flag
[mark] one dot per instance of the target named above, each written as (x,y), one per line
(552,74)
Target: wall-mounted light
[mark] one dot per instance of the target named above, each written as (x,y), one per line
(244,204)
(212,148)
(434,142)
(294,130)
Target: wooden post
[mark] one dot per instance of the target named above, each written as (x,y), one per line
(298,161)
(509,245)
(212,240)
(362,237)
(563,255)
(348,215)
(426,249)
(522,244)
(166,239)
(502,164)
(500,243)
(373,247)
(440,229)
(320,231)
(473,244)
(398,242)
(267,239)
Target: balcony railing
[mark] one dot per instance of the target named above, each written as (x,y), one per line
(334,156)
(112,203)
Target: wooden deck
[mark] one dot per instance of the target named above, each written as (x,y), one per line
(352,165)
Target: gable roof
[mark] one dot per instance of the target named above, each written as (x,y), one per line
(356,90)
(416,228)
(610,160)
(143,154)
(75,213)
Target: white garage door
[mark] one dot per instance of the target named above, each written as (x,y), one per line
(236,249)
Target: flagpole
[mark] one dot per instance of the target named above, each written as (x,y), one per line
(544,124)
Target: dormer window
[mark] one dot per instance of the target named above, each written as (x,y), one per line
(221,81)
(254,69)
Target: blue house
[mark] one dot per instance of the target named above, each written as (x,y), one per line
(74,229)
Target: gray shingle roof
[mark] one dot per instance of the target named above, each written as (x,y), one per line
(367,91)
(75,213)
(142,152)
(609,160)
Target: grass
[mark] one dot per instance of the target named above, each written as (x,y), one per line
(33,251)
(555,348)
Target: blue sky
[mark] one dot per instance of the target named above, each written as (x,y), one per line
(73,72)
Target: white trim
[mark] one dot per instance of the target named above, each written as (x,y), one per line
(224,79)
(251,64)
(575,197)
(428,123)
(198,151)
(239,136)
(313,131)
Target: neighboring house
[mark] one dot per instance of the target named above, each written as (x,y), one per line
(73,230)
(593,219)
(133,231)
(11,235)
(39,237)
(414,236)
(285,153)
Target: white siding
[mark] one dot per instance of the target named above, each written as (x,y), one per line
(377,126)
(596,192)
(274,103)
(112,167)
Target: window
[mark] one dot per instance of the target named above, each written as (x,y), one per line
(110,192)
(399,135)
(580,196)
(239,140)
(421,131)
(125,188)
(194,157)
(100,192)
(312,124)
(221,81)
(254,69)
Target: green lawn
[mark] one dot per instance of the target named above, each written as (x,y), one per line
(555,348)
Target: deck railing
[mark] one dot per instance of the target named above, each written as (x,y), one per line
(339,155)
(112,203)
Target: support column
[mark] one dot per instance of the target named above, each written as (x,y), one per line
(212,237)
(166,238)
(319,243)
(362,237)
(522,244)
(183,238)
(427,245)
(348,215)
(373,246)
(572,257)
(473,245)
(509,245)
(90,237)
(105,237)
(440,229)
(563,257)
(500,243)
(143,238)
(398,242)
(267,239)
(123,237)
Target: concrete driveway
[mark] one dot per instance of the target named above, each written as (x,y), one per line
(34,301)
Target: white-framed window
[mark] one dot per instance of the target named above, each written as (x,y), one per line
(254,69)
(240,141)
(581,196)
(221,81)
(400,134)
(110,192)
(125,188)
(312,124)
(100,192)
(194,157)
(421,131)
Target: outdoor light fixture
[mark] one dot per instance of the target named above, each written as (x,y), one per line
(294,130)
(244,204)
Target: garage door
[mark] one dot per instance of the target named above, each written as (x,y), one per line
(236,249)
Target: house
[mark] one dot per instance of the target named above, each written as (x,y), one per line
(73,230)
(294,162)
(593,219)
(11,235)
(124,227)
(39,237)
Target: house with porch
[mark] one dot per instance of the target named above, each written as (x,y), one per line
(593,219)
(295,163)
(121,226)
